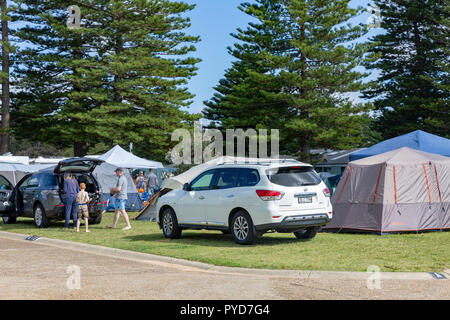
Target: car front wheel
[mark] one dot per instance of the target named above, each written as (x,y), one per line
(9,220)
(307,233)
(169,224)
(40,218)
(242,228)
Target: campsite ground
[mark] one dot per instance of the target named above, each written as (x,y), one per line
(427,252)
(57,269)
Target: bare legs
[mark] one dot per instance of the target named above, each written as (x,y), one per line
(125,217)
(86,223)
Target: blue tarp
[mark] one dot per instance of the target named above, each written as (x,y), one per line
(418,139)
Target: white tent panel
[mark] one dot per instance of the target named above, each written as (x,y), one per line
(122,158)
(15,172)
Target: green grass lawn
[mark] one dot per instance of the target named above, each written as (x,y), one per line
(327,251)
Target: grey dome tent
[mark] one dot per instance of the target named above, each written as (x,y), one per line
(400,190)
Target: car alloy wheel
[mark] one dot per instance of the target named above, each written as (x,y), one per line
(38,216)
(9,220)
(241,228)
(168,224)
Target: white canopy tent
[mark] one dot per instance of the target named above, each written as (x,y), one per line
(15,159)
(14,172)
(122,158)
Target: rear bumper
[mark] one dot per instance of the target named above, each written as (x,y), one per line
(298,222)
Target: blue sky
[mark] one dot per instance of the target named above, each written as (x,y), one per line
(213,21)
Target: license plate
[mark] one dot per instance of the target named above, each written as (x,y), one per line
(304,200)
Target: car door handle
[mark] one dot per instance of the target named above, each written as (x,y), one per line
(230,196)
(201,197)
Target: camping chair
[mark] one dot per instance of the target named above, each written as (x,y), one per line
(143,196)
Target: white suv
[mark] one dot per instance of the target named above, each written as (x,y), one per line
(248,200)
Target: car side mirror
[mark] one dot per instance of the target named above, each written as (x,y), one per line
(187,187)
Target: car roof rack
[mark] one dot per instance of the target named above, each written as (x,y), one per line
(263,162)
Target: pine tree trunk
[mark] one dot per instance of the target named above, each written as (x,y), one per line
(118,77)
(80,149)
(305,152)
(4,138)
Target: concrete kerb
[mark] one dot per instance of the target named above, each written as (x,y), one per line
(196,266)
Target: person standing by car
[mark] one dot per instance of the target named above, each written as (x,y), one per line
(83,211)
(120,193)
(71,189)
(152,183)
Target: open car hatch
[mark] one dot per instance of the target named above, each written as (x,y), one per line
(77,165)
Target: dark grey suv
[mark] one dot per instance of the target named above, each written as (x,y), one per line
(40,195)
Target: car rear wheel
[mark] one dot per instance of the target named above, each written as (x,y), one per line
(307,233)
(169,224)
(96,219)
(9,220)
(40,218)
(242,228)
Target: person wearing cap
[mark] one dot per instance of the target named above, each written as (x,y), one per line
(120,193)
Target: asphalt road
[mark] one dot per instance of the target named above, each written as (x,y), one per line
(47,270)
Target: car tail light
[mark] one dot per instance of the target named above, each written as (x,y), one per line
(268,195)
(326,192)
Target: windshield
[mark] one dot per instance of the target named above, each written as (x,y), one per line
(293,176)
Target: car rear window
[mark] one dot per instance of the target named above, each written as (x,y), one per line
(293,176)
